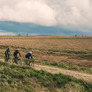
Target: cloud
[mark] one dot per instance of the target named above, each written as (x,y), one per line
(73,14)
(2,32)
(35,11)
(70,14)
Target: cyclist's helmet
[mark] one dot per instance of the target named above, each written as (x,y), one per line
(8,48)
(18,49)
(30,52)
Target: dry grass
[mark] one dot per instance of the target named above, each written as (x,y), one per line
(75,51)
(48,42)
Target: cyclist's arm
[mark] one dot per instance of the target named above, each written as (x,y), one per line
(31,56)
(19,54)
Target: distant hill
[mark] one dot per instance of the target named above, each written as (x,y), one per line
(33,29)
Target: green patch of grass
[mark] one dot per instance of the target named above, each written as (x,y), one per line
(25,79)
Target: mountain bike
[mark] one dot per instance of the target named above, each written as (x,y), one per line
(30,62)
(7,58)
(17,60)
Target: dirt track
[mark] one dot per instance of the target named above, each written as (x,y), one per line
(78,75)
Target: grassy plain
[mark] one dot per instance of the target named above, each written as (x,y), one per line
(73,53)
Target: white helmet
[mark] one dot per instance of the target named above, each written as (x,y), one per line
(30,52)
(18,49)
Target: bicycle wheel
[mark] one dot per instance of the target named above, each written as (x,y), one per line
(16,60)
(32,63)
(6,59)
(20,62)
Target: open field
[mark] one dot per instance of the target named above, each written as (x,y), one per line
(73,53)
(46,42)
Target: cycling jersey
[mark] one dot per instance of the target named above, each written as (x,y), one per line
(28,55)
(7,51)
(17,52)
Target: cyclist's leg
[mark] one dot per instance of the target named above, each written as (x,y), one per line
(20,61)
(6,57)
(13,59)
(16,59)
(27,61)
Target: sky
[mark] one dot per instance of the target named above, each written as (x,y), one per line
(73,15)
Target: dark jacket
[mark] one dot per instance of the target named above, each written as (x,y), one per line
(17,52)
(28,55)
(7,52)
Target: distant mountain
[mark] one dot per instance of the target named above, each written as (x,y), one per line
(33,29)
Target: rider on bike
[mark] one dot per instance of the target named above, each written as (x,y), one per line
(16,52)
(7,54)
(27,56)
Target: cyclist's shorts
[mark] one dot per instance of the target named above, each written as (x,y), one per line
(26,56)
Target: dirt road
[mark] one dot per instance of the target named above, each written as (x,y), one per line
(78,75)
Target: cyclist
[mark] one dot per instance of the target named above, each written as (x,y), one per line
(27,56)
(7,54)
(16,52)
